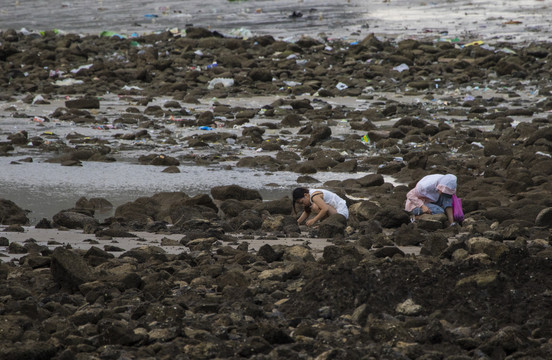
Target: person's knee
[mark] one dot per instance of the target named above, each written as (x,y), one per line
(435,209)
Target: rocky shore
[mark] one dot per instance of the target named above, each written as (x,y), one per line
(400,109)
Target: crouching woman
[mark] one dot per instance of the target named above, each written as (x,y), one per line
(322,203)
(432,195)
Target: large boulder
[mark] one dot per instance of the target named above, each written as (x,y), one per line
(73,220)
(69,270)
(234,192)
(544,218)
(333,226)
(11,214)
(391,217)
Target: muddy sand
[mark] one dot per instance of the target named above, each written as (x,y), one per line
(145,204)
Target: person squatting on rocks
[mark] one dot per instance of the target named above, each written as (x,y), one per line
(432,195)
(323,203)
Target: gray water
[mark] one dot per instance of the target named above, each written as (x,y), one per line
(510,20)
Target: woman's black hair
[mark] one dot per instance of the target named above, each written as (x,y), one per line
(297,194)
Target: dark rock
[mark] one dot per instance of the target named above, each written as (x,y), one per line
(68,269)
(333,226)
(388,251)
(16,248)
(10,213)
(371,180)
(234,192)
(268,253)
(73,220)
(408,235)
(93,203)
(544,218)
(44,224)
(172,170)
(14,228)
(390,217)
(83,103)
(434,245)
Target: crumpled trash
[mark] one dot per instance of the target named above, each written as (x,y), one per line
(205,128)
(292,83)
(133,87)
(542,154)
(107,33)
(68,82)
(226,82)
(56,73)
(38,98)
(473,43)
(401,67)
(74,71)
(241,33)
(341,86)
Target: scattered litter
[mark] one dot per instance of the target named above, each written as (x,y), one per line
(473,43)
(241,33)
(224,81)
(74,71)
(205,128)
(366,139)
(507,51)
(56,73)
(38,119)
(292,83)
(133,87)
(543,154)
(401,67)
(107,33)
(68,82)
(38,98)
(103,127)
(341,86)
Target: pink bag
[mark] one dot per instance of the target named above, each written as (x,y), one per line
(457,212)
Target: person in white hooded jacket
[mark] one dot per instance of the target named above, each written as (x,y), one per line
(432,195)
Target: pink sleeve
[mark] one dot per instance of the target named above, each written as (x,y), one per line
(413,200)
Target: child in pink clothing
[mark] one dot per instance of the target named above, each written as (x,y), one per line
(432,195)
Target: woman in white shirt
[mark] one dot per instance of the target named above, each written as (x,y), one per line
(321,202)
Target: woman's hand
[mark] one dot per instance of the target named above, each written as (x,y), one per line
(426,210)
(310,222)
